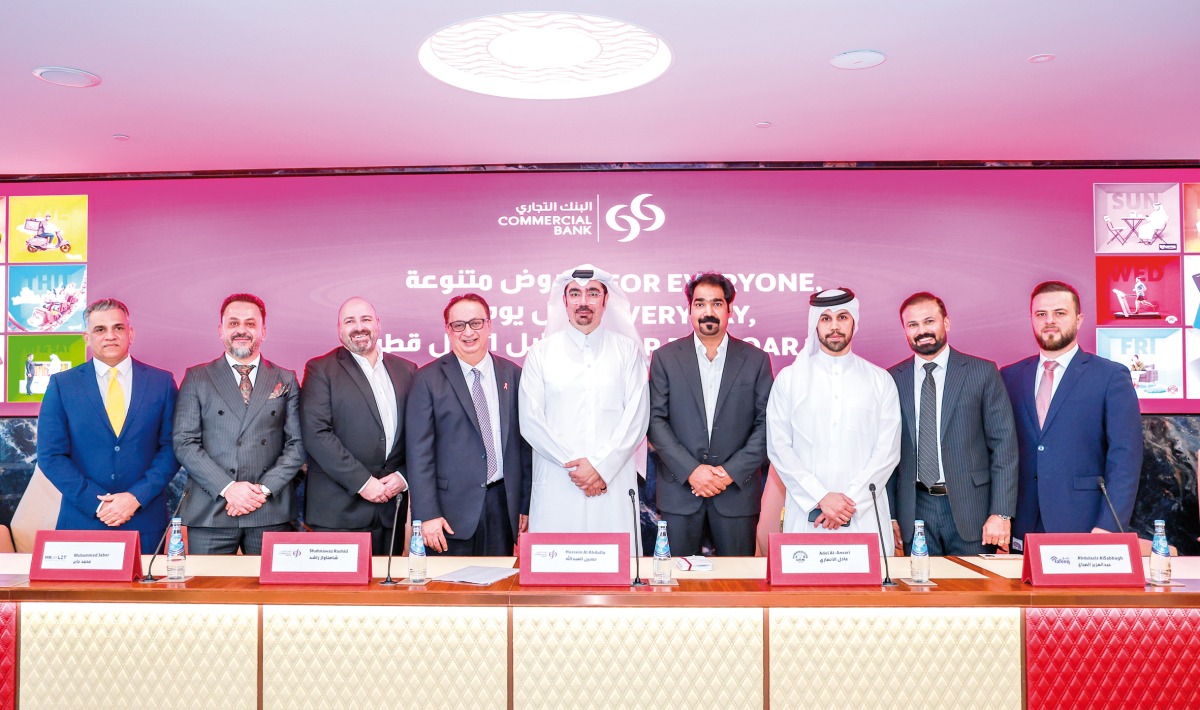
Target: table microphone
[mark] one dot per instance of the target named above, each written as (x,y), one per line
(1111,509)
(887,576)
(149,577)
(389,582)
(637,554)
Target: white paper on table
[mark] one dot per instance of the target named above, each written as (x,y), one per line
(481,576)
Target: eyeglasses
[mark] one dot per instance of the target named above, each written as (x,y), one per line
(592,294)
(459,326)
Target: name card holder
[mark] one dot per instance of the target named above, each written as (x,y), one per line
(574,559)
(823,559)
(315,558)
(86,556)
(1082,560)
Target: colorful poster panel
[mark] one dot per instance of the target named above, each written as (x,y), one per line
(1191,340)
(1191,217)
(3,223)
(1191,291)
(51,228)
(47,298)
(33,358)
(1136,218)
(1138,290)
(1154,357)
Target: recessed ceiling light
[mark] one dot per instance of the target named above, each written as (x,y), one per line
(763,124)
(1041,58)
(858,59)
(545,55)
(66,76)
(120,137)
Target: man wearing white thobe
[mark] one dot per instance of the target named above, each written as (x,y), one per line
(833,427)
(584,408)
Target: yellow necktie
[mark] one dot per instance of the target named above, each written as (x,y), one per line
(114,403)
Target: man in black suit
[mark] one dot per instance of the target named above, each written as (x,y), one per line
(352,418)
(469,468)
(708,401)
(958,454)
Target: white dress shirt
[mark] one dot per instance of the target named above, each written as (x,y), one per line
(237,376)
(1063,361)
(487,380)
(710,376)
(124,376)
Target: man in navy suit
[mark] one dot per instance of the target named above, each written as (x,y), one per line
(469,470)
(104,433)
(708,408)
(1077,424)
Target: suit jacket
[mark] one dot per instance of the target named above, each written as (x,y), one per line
(344,438)
(1093,430)
(83,457)
(220,439)
(978,445)
(679,425)
(447,464)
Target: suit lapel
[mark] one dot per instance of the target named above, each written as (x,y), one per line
(904,388)
(223,378)
(735,357)
(400,383)
(1027,376)
(689,364)
(955,378)
(504,392)
(1076,371)
(136,395)
(355,373)
(264,384)
(458,383)
(91,393)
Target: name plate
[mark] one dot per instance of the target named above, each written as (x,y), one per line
(86,555)
(315,558)
(574,559)
(823,559)
(1082,560)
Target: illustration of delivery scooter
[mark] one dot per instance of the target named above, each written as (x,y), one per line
(44,236)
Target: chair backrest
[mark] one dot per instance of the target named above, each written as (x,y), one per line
(38,510)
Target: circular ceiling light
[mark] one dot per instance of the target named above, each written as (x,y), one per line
(1041,58)
(68,77)
(858,59)
(545,55)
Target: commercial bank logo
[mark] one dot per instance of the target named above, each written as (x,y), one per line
(640,212)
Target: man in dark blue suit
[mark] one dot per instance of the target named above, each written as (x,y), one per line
(469,470)
(104,433)
(1077,424)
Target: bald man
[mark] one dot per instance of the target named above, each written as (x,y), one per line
(352,420)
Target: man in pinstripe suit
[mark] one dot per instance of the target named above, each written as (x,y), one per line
(237,432)
(958,455)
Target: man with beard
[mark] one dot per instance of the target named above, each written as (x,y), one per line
(237,432)
(352,418)
(468,465)
(1077,424)
(708,403)
(958,454)
(584,407)
(833,426)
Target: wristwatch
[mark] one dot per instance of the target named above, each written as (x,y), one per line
(1004,517)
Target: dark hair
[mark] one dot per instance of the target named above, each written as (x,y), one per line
(1055,287)
(104,304)
(923,297)
(474,297)
(710,278)
(245,298)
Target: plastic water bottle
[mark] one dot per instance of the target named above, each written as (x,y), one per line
(1160,555)
(176,563)
(662,555)
(920,554)
(416,555)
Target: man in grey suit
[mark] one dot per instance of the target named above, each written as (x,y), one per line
(468,465)
(352,418)
(237,432)
(708,401)
(958,455)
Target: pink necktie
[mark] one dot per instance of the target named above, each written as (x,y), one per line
(1045,391)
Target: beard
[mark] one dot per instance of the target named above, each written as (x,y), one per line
(708,325)
(1054,342)
(354,347)
(927,348)
(835,347)
(241,351)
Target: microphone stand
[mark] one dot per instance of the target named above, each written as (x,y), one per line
(637,528)
(1111,509)
(389,582)
(887,575)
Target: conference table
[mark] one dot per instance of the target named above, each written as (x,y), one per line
(720,639)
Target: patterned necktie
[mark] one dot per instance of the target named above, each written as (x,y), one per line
(485,425)
(245,386)
(1045,391)
(114,402)
(927,433)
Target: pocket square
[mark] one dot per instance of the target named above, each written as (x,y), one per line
(279,391)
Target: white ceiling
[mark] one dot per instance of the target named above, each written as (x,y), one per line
(260,84)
